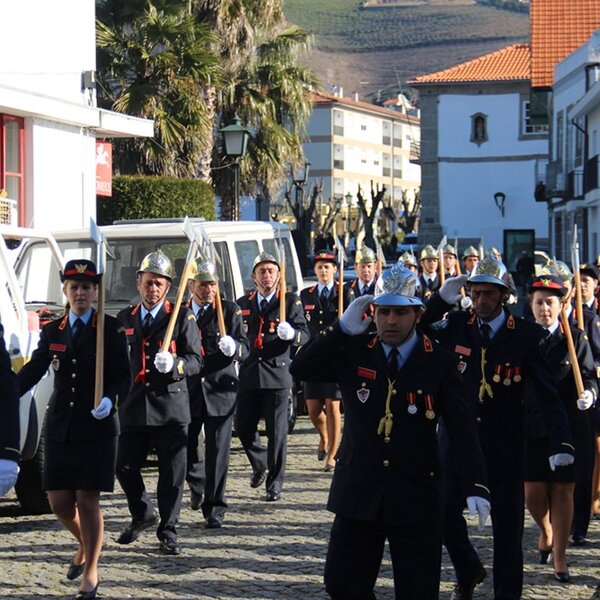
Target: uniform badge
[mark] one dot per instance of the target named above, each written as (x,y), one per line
(462,366)
(55,363)
(58,347)
(307,316)
(245,327)
(363,394)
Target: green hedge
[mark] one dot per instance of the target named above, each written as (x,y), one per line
(143,197)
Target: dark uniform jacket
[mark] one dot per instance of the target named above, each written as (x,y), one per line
(397,480)
(9,407)
(213,391)
(159,398)
(355,287)
(319,316)
(557,354)
(428,287)
(68,416)
(267,366)
(513,355)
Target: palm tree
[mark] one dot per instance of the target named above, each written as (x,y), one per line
(154,60)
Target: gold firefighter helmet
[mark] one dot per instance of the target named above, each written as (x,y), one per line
(470,251)
(262,258)
(157,262)
(206,270)
(428,252)
(365,255)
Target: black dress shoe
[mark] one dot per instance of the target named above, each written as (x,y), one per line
(578,540)
(465,592)
(196,500)
(75,571)
(321,454)
(135,528)
(169,546)
(545,556)
(213,523)
(258,479)
(273,496)
(562,576)
(88,595)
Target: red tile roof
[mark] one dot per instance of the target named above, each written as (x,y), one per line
(557,28)
(324,98)
(507,64)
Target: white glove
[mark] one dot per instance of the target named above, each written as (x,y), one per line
(163,361)
(352,322)
(466,302)
(9,471)
(103,409)
(585,400)
(561,460)
(512,299)
(450,291)
(479,505)
(227,345)
(285,331)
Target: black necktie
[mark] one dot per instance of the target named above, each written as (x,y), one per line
(393,363)
(147,323)
(485,330)
(263,305)
(76,328)
(324,296)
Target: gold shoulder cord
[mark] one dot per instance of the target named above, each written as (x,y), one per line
(485,386)
(386,422)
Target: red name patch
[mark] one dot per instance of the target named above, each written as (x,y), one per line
(58,347)
(366,373)
(462,350)
(130,331)
(309,307)
(245,312)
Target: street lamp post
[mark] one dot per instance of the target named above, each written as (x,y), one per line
(299,180)
(235,137)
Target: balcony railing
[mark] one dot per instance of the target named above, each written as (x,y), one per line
(575,184)
(415,152)
(555,180)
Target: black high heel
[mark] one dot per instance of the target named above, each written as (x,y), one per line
(545,556)
(75,571)
(88,595)
(562,576)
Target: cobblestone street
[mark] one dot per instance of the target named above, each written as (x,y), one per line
(265,550)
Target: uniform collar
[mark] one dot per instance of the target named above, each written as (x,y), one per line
(495,324)
(153,312)
(85,317)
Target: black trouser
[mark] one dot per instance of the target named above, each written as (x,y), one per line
(273,406)
(582,497)
(355,552)
(508,513)
(207,470)
(170,443)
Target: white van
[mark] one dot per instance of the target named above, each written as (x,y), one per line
(33,295)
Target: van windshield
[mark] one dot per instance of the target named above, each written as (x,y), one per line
(39,277)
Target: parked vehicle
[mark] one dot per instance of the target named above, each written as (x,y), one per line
(33,295)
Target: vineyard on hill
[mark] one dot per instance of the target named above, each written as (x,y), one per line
(370,49)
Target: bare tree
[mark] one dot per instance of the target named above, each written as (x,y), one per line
(368,216)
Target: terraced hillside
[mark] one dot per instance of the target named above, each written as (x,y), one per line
(369,49)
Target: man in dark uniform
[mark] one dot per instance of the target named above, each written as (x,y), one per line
(321,305)
(265,379)
(429,279)
(498,354)
(386,484)
(450,260)
(156,411)
(365,264)
(10,455)
(470,259)
(213,394)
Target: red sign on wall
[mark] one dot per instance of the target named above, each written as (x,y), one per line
(103,169)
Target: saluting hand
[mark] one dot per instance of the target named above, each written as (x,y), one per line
(103,409)
(450,291)
(352,321)
(164,361)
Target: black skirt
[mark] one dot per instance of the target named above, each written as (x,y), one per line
(85,465)
(321,391)
(537,465)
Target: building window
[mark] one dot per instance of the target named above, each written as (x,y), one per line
(479,133)
(12,169)
(560,135)
(527,127)
(363,127)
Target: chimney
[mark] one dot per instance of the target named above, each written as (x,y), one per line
(355,96)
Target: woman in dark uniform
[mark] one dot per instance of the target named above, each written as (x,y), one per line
(320,304)
(549,494)
(80,440)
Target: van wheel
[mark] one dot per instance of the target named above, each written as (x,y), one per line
(291,413)
(28,488)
